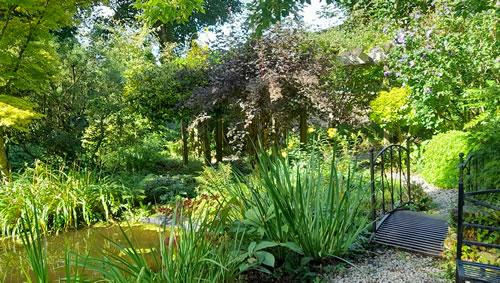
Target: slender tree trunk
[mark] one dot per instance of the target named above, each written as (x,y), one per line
(206,143)
(184,136)
(252,138)
(275,135)
(4,160)
(219,139)
(266,130)
(303,128)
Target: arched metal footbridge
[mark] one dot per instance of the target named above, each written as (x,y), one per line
(394,223)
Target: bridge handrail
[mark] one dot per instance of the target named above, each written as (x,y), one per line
(399,170)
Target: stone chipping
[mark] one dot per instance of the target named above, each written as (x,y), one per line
(391,265)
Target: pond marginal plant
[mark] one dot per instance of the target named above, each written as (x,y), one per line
(321,212)
(197,250)
(36,250)
(66,197)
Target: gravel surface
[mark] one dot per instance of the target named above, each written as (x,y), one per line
(444,199)
(393,265)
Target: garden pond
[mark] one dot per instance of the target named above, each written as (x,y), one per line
(87,241)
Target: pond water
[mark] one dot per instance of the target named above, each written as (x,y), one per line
(91,240)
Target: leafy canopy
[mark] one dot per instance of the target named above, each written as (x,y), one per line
(16,113)
(168,11)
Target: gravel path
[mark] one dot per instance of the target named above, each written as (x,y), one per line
(393,265)
(444,199)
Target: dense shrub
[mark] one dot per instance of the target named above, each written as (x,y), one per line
(490,174)
(391,111)
(162,189)
(146,154)
(429,54)
(476,215)
(439,163)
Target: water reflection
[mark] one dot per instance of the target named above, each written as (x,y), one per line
(92,241)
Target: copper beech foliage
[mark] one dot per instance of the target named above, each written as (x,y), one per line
(261,88)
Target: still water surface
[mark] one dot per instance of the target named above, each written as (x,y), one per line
(91,240)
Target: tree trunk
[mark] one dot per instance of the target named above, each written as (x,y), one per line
(219,138)
(185,149)
(275,135)
(252,143)
(206,143)
(303,128)
(4,160)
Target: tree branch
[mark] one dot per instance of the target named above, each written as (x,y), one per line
(8,17)
(28,40)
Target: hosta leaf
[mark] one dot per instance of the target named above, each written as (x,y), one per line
(266,258)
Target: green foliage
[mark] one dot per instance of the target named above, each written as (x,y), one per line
(66,198)
(483,105)
(28,57)
(136,152)
(265,13)
(171,11)
(481,216)
(390,108)
(164,189)
(429,54)
(421,200)
(319,213)
(439,164)
(36,250)
(489,174)
(65,106)
(388,10)
(256,257)
(353,36)
(157,90)
(214,13)
(200,252)
(212,179)
(16,113)
(112,102)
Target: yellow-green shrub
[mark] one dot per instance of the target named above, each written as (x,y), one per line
(439,163)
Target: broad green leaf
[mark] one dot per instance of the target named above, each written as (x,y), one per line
(264,245)
(266,258)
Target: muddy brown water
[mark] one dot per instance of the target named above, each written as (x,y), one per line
(88,241)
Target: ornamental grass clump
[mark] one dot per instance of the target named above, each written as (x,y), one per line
(197,250)
(317,213)
(66,198)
